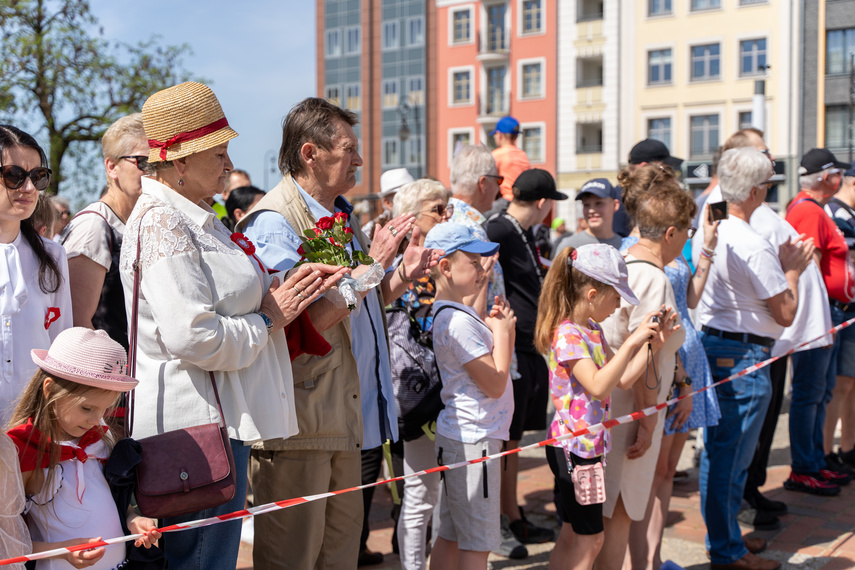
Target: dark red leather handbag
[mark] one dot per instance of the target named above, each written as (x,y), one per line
(184,470)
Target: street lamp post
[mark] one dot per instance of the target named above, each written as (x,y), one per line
(404,133)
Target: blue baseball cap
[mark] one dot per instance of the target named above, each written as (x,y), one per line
(507,125)
(850,171)
(450,237)
(598,187)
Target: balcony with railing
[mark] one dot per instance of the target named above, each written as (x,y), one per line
(493,45)
(589,138)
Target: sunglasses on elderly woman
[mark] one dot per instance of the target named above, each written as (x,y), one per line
(440,209)
(140,161)
(14,177)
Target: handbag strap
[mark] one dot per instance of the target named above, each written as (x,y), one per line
(132,340)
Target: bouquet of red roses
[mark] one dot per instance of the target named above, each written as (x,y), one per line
(327,243)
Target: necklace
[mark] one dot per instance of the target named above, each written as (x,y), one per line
(113,208)
(658,258)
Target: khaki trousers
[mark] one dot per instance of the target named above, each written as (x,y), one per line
(320,535)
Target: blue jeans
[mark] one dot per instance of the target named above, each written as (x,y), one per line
(212,547)
(729,446)
(814,378)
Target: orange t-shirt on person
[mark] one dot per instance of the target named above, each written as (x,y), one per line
(511,162)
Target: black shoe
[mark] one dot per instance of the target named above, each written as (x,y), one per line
(368,558)
(834,463)
(528,533)
(761,503)
(847,457)
(759,520)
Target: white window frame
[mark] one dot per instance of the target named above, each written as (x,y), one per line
(470,131)
(521,141)
(648,51)
(408,150)
(420,41)
(485,24)
(330,33)
(410,80)
(707,9)
(698,112)
(671,132)
(396,83)
(649,14)
(668,113)
(472,32)
(721,61)
(472,91)
(485,86)
(754,73)
(358,48)
(543,20)
(521,79)
(383,40)
(397,143)
(346,100)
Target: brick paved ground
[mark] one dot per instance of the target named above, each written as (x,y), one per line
(818,532)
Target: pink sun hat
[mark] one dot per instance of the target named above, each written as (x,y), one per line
(87,357)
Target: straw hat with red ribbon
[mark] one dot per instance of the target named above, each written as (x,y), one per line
(183,120)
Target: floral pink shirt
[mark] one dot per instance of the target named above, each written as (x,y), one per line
(575,408)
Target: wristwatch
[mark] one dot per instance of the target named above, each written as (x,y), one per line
(267,322)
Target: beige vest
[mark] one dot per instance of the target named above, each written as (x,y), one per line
(329,408)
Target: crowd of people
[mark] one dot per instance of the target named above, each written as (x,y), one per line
(468,321)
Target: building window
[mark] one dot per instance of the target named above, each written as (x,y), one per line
(458,139)
(839,47)
(704,136)
(752,57)
(744,120)
(390,93)
(532,143)
(658,7)
(390,35)
(588,10)
(352,100)
(461,32)
(747,2)
(532,17)
(658,66)
(333,95)
(705,4)
(532,81)
(416,90)
(496,89)
(496,29)
(416,31)
(333,43)
(589,138)
(390,152)
(461,87)
(706,62)
(837,128)
(660,129)
(353,40)
(414,154)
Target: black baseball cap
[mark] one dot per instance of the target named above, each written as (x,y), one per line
(652,150)
(818,159)
(535,184)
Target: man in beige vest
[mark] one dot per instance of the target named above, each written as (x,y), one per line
(344,400)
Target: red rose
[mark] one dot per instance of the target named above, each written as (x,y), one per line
(301,251)
(341,217)
(348,231)
(317,231)
(325,223)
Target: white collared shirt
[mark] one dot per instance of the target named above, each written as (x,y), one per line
(199,298)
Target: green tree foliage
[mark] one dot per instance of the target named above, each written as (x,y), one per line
(57,66)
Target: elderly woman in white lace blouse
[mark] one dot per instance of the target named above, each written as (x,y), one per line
(206,304)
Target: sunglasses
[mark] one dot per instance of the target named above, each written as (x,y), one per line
(140,161)
(15,176)
(440,209)
(499,179)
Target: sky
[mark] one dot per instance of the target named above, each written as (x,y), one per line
(258,55)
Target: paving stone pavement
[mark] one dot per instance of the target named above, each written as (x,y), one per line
(818,533)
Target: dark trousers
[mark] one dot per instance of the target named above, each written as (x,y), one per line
(372,462)
(757,470)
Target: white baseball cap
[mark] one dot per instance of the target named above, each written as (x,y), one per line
(393,179)
(604,263)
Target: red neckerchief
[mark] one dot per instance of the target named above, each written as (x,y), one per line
(27,439)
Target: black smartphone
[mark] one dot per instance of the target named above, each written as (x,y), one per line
(718,211)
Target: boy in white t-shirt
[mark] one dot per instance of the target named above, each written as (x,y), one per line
(474,358)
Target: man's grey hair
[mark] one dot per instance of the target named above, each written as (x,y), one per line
(412,196)
(812,181)
(740,170)
(468,166)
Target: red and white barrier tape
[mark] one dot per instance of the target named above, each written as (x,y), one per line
(279,505)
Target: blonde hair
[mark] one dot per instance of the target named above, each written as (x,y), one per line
(563,287)
(411,196)
(122,136)
(44,412)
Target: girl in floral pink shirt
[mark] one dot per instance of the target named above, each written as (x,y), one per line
(585,285)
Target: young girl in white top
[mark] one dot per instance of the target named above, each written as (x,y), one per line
(35,304)
(583,287)
(63,443)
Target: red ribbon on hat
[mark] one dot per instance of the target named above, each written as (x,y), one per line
(188,136)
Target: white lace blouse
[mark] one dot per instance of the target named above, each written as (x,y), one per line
(197,312)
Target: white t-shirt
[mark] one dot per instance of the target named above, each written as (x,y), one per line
(746,273)
(813,317)
(88,235)
(460,336)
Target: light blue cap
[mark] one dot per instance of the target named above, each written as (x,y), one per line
(451,237)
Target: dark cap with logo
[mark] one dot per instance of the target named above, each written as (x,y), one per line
(818,159)
(652,150)
(535,184)
(598,187)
